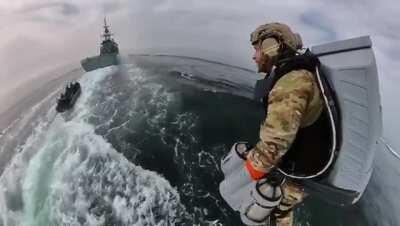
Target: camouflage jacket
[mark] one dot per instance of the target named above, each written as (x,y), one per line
(294,102)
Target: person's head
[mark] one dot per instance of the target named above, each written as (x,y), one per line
(273,42)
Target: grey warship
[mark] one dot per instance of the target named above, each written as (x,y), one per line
(109,52)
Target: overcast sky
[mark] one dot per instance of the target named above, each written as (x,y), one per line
(38,35)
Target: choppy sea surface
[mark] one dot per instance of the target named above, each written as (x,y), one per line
(142,146)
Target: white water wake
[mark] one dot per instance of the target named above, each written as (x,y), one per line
(66,174)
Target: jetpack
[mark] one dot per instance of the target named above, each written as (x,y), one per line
(347,77)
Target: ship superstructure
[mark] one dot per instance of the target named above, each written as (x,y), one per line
(109,52)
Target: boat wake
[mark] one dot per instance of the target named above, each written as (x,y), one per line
(66,174)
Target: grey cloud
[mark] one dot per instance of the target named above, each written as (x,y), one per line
(53,12)
(394,54)
(62,8)
(378,17)
(111,7)
(316,20)
(69,9)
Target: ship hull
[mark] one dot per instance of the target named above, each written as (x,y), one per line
(93,63)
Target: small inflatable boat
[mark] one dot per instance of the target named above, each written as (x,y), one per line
(339,172)
(67,99)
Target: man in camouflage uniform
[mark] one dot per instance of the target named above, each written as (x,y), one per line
(294,102)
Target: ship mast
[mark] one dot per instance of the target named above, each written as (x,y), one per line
(106,35)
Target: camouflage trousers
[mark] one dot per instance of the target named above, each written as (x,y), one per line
(293,194)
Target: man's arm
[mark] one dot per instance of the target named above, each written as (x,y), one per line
(287,103)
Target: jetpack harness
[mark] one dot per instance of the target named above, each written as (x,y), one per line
(312,139)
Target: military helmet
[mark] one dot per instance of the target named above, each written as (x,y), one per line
(281,32)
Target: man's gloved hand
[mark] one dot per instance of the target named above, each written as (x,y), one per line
(231,162)
(254,173)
